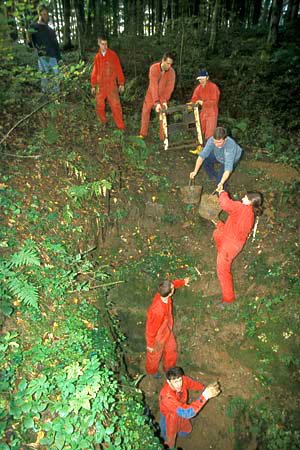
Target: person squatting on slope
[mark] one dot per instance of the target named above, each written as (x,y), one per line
(207,94)
(107,80)
(175,411)
(43,38)
(160,339)
(231,236)
(161,85)
(220,149)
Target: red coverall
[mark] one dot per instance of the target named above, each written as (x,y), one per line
(177,412)
(106,71)
(161,86)
(159,333)
(230,238)
(210,95)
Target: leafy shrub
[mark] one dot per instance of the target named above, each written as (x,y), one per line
(264,423)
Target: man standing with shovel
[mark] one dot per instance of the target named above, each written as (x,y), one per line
(161,85)
(206,94)
(222,150)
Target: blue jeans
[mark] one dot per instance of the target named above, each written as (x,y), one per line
(208,165)
(163,428)
(49,67)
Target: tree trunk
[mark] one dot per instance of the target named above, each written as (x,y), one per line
(292,11)
(11,21)
(67,24)
(90,23)
(242,11)
(213,27)
(61,18)
(126,15)
(274,22)
(265,14)
(152,18)
(79,12)
(257,4)
(140,17)
(159,10)
(115,13)
(58,19)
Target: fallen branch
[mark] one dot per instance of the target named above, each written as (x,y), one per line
(23,120)
(96,287)
(22,156)
(105,284)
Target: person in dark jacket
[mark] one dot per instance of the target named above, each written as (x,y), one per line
(44,40)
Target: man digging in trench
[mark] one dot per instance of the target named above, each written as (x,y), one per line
(219,150)
(160,339)
(175,410)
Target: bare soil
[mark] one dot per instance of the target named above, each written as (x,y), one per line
(205,335)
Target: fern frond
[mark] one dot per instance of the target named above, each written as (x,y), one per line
(4,270)
(25,257)
(24,290)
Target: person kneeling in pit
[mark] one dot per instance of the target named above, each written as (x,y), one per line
(174,409)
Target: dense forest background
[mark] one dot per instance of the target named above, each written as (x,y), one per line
(87,211)
(250,48)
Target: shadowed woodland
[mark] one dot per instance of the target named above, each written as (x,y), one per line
(92,220)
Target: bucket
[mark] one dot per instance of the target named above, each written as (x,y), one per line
(209,207)
(191,194)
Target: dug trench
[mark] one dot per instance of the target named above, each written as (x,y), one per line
(161,237)
(211,342)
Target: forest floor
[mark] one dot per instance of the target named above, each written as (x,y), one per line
(244,346)
(212,343)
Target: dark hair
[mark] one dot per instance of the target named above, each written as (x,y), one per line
(220,133)
(165,288)
(41,8)
(167,55)
(202,73)
(102,37)
(174,372)
(256,199)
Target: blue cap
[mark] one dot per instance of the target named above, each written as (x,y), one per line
(202,73)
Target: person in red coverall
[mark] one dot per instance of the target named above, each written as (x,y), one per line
(231,236)
(107,80)
(207,94)
(175,412)
(161,85)
(160,339)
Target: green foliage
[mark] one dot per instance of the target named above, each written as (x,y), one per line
(136,152)
(73,397)
(159,181)
(265,423)
(78,193)
(15,275)
(170,218)
(60,380)
(160,260)
(27,256)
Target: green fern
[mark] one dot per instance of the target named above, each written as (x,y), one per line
(23,289)
(78,193)
(14,281)
(27,256)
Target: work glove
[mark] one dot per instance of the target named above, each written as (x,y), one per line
(212,390)
(158,108)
